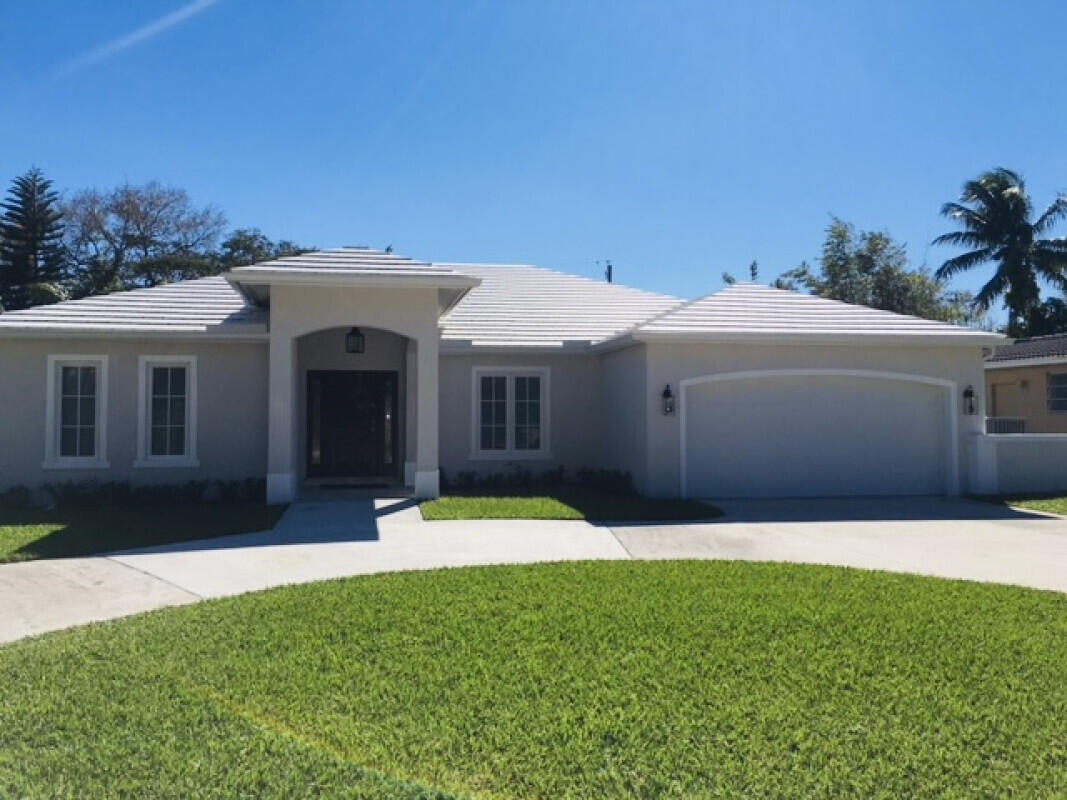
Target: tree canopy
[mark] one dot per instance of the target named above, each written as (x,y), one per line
(96,241)
(996,215)
(31,252)
(869,268)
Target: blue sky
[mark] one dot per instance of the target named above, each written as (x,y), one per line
(677,139)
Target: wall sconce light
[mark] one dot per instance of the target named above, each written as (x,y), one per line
(355,341)
(968,400)
(668,401)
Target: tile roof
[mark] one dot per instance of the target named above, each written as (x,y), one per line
(1034,347)
(514,305)
(532,306)
(204,306)
(753,309)
(350,261)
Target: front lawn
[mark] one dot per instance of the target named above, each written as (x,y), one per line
(606,680)
(566,503)
(1050,504)
(69,532)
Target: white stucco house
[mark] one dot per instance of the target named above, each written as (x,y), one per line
(360,366)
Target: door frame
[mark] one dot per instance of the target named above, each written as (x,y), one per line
(395,472)
(952,440)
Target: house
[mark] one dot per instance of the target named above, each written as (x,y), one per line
(355,365)
(1026,383)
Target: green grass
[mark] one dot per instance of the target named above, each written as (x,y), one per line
(63,533)
(566,504)
(1051,504)
(606,680)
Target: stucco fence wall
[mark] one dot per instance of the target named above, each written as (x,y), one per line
(231,410)
(1029,463)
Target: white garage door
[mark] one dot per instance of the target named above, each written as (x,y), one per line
(815,435)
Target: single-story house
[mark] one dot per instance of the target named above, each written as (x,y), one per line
(1026,383)
(356,365)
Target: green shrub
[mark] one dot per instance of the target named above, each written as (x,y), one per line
(522,480)
(16,498)
(122,493)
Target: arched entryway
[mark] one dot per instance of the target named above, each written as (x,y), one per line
(355,407)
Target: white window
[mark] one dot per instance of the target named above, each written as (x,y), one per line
(1057,391)
(76,412)
(510,413)
(166,434)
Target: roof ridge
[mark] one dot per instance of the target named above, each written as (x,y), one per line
(560,273)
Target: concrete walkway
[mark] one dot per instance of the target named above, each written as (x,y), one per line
(333,539)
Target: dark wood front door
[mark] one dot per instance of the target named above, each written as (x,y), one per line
(351,420)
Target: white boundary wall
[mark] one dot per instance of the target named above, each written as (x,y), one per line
(1019,463)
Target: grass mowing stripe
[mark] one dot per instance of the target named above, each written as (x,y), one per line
(277,728)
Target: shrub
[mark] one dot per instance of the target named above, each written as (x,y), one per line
(16,498)
(522,480)
(122,493)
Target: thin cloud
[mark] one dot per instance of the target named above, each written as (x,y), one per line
(142,34)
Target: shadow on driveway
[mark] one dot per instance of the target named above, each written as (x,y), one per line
(305,523)
(869,509)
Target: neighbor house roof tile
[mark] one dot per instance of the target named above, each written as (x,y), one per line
(1033,347)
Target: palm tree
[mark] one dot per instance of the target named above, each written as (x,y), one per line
(995,213)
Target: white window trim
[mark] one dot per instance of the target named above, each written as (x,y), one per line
(1048,393)
(510,453)
(52,458)
(145,459)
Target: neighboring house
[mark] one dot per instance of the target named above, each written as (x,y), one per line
(1026,383)
(358,366)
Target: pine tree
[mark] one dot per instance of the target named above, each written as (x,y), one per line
(31,252)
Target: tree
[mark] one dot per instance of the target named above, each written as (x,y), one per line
(246,246)
(31,255)
(869,268)
(995,213)
(136,236)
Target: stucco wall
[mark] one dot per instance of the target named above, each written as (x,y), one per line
(672,363)
(575,407)
(1029,463)
(1023,392)
(625,412)
(231,411)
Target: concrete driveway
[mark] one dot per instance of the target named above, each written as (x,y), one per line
(333,539)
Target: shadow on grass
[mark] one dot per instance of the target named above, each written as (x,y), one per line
(70,532)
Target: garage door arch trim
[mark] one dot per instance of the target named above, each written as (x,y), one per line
(952,445)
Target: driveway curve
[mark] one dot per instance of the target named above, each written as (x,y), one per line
(334,539)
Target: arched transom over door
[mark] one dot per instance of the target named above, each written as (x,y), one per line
(817,433)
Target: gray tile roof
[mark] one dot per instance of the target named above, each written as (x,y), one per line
(532,306)
(349,261)
(753,309)
(1034,347)
(514,305)
(204,306)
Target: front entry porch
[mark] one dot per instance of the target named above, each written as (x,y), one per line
(352,417)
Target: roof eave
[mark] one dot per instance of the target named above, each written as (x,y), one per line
(962,339)
(1037,361)
(131,332)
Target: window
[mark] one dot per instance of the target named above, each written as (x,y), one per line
(167,406)
(1057,391)
(510,415)
(75,416)
(527,412)
(494,424)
